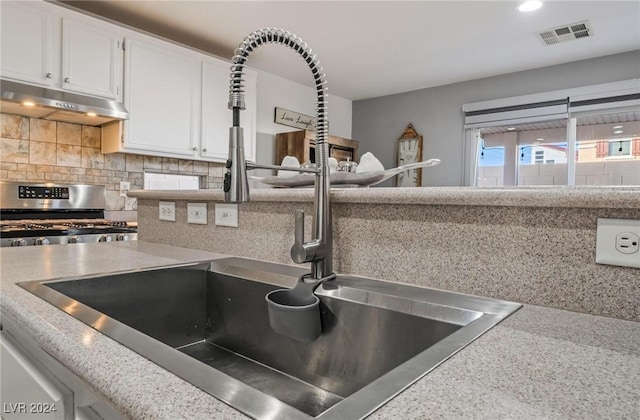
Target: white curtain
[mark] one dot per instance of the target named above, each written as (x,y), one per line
(471,152)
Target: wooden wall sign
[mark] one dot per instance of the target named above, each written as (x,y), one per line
(294,119)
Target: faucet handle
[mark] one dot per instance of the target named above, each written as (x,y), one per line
(299,227)
(299,252)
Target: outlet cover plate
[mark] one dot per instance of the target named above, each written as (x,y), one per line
(226,214)
(607,240)
(124,187)
(197,213)
(167,211)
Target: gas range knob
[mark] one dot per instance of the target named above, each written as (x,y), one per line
(122,237)
(73,239)
(105,238)
(42,241)
(18,242)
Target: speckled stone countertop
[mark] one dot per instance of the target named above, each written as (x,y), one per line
(538,363)
(586,197)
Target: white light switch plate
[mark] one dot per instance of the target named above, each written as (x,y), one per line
(197,213)
(167,211)
(226,214)
(618,242)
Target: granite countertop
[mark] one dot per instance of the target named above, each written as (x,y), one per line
(584,197)
(538,363)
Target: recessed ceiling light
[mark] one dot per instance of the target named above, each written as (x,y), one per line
(617,127)
(618,132)
(91,114)
(510,128)
(530,6)
(539,139)
(28,103)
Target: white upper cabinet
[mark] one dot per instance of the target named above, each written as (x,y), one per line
(176,97)
(29,51)
(91,58)
(162,95)
(217,118)
(50,46)
(177,102)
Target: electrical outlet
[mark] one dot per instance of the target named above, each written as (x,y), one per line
(226,214)
(618,242)
(197,213)
(167,211)
(628,243)
(124,187)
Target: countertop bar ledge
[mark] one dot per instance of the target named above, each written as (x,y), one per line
(582,197)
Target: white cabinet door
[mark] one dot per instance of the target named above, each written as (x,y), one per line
(31,378)
(162,95)
(47,45)
(217,117)
(28,389)
(91,58)
(29,47)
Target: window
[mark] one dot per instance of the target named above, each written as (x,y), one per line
(608,149)
(602,157)
(619,148)
(578,136)
(539,156)
(490,164)
(543,161)
(154,181)
(541,150)
(491,156)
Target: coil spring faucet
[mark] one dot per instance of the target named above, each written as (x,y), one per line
(318,251)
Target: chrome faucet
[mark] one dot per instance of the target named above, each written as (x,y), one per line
(318,251)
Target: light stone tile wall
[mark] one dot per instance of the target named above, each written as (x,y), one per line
(37,150)
(540,256)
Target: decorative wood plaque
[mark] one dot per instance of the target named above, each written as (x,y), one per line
(294,119)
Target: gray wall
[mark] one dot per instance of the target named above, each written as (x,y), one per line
(436,113)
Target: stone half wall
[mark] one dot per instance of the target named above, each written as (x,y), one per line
(37,150)
(532,255)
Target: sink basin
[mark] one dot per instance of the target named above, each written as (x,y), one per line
(207,323)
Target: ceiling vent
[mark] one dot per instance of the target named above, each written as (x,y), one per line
(566,33)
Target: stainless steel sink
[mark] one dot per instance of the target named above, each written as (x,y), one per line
(208,324)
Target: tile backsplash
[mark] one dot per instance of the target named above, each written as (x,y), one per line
(38,150)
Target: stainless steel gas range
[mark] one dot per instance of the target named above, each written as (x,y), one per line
(48,214)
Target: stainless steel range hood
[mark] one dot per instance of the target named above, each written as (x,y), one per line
(40,102)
